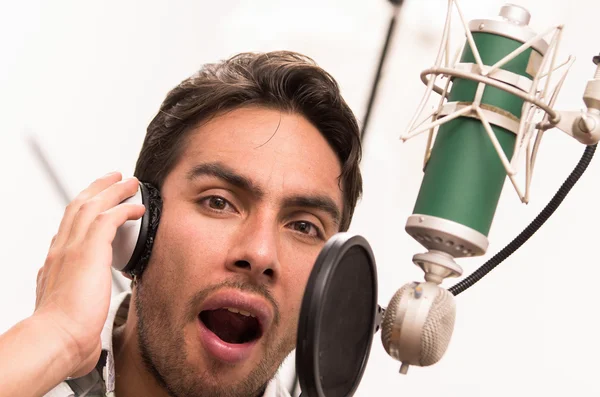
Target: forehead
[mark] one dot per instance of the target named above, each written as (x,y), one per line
(280,151)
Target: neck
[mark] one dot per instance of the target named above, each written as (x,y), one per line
(133,378)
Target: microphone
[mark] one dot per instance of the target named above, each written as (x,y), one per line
(481,130)
(418,324)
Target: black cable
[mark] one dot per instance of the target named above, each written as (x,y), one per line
(542,217)
(383,56)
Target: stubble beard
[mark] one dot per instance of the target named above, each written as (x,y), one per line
(162,347)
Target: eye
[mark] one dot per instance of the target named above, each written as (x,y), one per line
(217,204)
(306,228)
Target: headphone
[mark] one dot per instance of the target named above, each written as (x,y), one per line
(134,239)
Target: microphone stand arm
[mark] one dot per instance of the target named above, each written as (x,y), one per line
(388,40)
(584,126)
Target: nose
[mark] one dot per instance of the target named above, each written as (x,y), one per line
(254,251)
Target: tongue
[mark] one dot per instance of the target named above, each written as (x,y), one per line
(230,327)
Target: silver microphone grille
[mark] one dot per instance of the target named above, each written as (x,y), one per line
(387,325)
(438,328)
(420,342)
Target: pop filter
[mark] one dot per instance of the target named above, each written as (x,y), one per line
(338,318)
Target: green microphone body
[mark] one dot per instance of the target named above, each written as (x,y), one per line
(464,176)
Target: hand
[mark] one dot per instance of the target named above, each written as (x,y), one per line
(74,285)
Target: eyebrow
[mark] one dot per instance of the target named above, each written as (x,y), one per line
(322,203)
(221,171)
(227,174)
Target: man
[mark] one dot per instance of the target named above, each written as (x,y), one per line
(257,162)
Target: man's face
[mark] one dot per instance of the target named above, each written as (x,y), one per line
(246,211)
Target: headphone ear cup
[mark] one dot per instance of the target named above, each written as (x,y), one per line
(133,242)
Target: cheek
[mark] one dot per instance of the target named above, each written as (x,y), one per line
(190,246)
(295,271)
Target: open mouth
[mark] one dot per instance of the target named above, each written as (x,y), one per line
(232,325)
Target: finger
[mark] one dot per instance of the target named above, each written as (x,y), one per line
(71,210)
(103,229)
(39,275)
(52,241)
(103,201)
(38,282)
(39,285)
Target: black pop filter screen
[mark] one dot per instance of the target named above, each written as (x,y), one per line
(347,324)
(337,318)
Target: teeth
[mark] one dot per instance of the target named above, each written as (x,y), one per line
(238,311)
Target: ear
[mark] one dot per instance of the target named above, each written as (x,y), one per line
(133,242)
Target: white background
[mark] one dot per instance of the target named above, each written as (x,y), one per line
(86,78)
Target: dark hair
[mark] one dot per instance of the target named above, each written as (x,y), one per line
(282,80)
